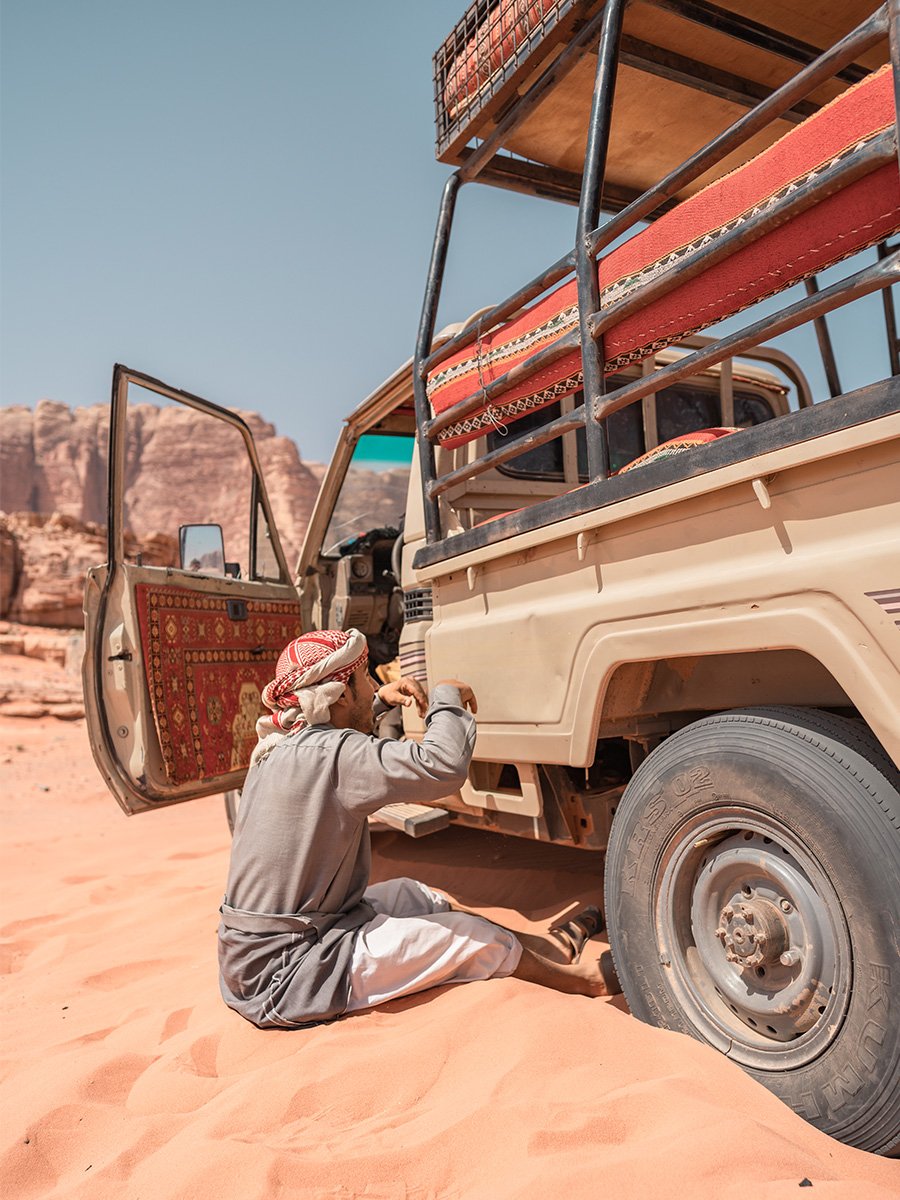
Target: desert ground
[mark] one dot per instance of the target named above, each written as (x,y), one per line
(125,1076)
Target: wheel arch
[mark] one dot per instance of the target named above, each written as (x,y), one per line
(701,663)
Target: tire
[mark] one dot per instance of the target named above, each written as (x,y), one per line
(232,801)
(753,901)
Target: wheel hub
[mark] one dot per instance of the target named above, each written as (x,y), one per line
(753,934)
(762,939)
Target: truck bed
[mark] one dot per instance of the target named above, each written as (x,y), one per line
(782,537)
(714,465)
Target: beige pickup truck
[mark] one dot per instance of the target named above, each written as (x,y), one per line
(667,561)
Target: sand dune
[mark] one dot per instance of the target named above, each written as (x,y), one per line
(125,1076)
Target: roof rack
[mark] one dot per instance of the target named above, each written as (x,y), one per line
(584,333)
(513,84)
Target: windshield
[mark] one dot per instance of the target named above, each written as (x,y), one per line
(373,495)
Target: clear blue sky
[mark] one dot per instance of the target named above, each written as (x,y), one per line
(240,198)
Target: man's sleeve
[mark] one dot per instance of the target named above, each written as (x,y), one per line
(374,772)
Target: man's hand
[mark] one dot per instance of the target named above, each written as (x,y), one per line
(404,691)
(466,695)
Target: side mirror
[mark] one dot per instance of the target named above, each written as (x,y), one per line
(202,549)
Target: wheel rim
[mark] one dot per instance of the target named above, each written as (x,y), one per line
(753,933)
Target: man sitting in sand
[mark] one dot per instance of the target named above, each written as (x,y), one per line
(303,937)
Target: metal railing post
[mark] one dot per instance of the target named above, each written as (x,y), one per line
(826,349)
(592,352)
(890,319)
(894,39)
(423,349)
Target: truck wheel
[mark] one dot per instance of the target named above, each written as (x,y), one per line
(753,901)
(232,800)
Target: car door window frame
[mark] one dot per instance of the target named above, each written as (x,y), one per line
(115,517)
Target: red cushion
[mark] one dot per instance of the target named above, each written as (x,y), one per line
(678,445)
(490,46)
(865,212)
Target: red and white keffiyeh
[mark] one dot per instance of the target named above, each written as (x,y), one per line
(310,676)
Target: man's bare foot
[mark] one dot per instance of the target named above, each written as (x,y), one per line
(593,977)
(540,963)
(600,975)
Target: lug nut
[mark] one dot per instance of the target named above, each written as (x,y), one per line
(786,906)
(790,958)
(727,912)
(721,932)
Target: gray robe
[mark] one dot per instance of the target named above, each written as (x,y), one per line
(301,858)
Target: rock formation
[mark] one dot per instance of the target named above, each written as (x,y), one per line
(182,467)
(30,690)
(53,459)
(45,560)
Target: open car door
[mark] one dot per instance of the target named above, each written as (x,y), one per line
(176,656)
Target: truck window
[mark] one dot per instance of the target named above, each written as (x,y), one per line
(682,409)
(751,410)
(685,409)
(626,442)
(373,494)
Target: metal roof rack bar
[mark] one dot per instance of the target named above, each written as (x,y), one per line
(869,33)
(881,274)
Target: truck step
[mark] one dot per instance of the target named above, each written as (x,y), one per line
(413,819)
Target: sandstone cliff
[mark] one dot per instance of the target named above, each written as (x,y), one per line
(182,467)
(40,672)
(45,560)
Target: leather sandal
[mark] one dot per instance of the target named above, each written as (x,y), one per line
(575,933)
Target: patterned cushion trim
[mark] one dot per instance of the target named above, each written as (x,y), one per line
(678,445)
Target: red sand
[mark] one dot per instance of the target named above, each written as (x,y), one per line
(126,1076)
